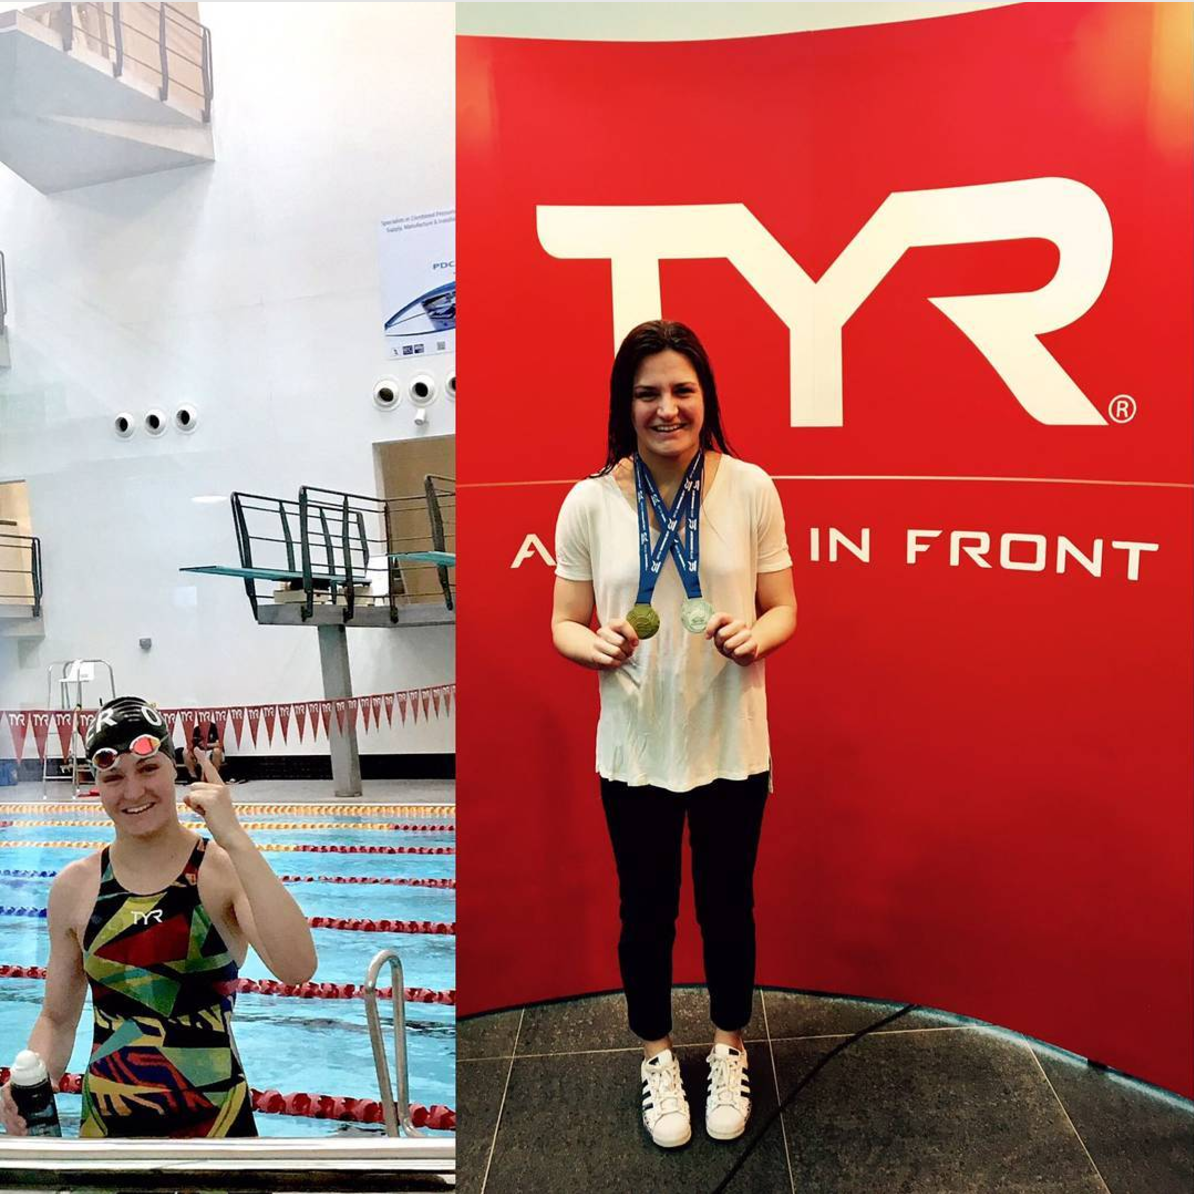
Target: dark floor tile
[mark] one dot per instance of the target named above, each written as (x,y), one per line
(961,1112)
(599,1022)
(1141,1139)
(479,1089)
(578,1131)
(486,1036)
(791,1014)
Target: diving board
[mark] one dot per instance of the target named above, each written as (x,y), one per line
(444,559)
(262,573)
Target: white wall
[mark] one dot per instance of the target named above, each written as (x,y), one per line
(249,288)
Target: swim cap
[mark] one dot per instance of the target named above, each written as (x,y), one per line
(121,721)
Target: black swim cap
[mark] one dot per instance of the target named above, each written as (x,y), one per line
(122,720)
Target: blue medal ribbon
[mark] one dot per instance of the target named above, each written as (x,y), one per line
(686,504)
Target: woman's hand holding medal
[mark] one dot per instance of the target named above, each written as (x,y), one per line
(614,644)
(733,638)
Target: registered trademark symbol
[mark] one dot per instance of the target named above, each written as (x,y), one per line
(1122,408)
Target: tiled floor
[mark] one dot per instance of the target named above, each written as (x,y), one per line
(930,1104)
(304,791)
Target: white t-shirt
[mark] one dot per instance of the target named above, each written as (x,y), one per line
(679,714)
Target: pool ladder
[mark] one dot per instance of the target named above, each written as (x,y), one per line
(395,1105)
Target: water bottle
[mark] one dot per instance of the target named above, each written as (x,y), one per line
(33,1094)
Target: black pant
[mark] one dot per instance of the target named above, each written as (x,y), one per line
(646,826)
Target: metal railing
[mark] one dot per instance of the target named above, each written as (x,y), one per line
(107,30)
(12,550)
(341,547)
(395,1100)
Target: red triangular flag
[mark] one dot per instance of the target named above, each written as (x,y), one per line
(325,714)
(341,707)
(17,726)
(435,700)
(448,689)
(378,705)
(388,701)
(300,717)
(253,717)
(41,730)
(402,705)
(269,712)
(425,697)
(284,721)
(62,723)
(366,711)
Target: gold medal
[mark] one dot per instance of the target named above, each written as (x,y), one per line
(644,619)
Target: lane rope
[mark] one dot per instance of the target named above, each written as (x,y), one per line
(272,986)
(314,810)
(311,1106)
(348,924)
(281,846)
(195,822)
(387,879)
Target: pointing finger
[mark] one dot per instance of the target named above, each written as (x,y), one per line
(209,771)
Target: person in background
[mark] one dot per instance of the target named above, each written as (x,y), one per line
(205,739)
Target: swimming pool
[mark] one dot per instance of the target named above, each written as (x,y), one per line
(288,1044)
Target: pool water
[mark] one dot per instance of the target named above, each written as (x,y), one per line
(288,1044)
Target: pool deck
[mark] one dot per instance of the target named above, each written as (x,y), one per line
(548,1099)
(277,791)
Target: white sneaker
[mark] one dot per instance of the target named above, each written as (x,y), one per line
(727,1107)
(665,1109)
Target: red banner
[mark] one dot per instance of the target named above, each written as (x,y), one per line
(951,318)
(62,723)
(244,721)
(253,720)
(41,730)
(17,725)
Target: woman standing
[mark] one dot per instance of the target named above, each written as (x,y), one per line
(681,550)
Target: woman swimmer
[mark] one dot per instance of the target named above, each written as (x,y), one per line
(159,924)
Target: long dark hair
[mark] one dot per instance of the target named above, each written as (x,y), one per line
(658,335)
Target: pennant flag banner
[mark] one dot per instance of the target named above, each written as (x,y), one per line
(244,721)
(62,723)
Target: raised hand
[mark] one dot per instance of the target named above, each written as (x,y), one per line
(212,800)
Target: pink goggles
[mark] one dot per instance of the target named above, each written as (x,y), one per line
(143,746)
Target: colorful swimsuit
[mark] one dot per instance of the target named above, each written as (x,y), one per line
(163,983)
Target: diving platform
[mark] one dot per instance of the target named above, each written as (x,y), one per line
(334,560)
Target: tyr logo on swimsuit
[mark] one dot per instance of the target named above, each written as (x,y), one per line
(144,918)
(1003,327)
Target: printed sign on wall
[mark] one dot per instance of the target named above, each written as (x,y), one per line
(418,284)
